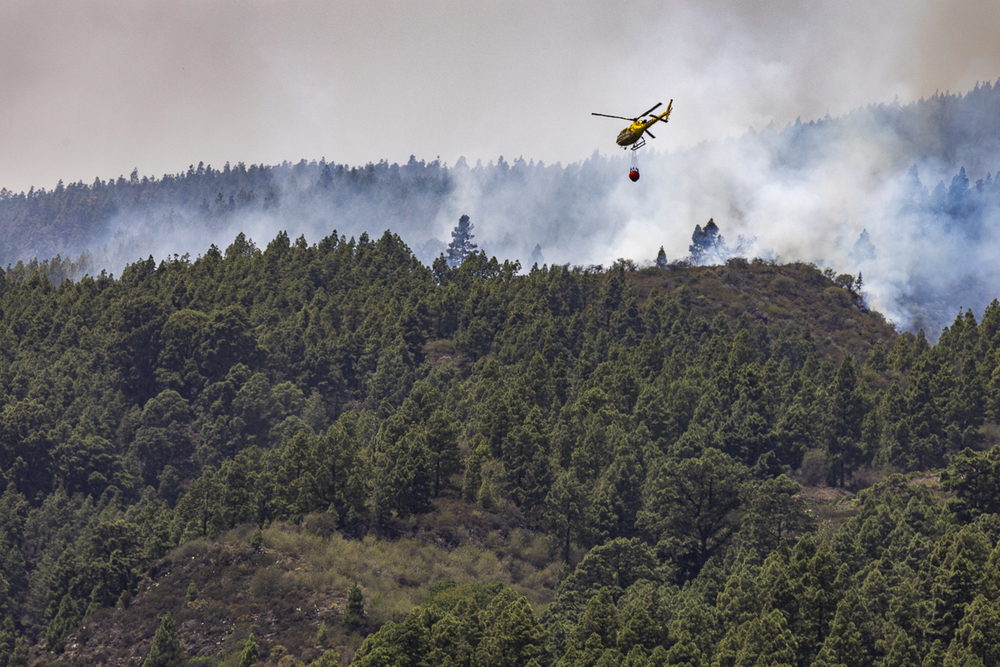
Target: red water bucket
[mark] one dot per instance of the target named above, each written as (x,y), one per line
(634,175)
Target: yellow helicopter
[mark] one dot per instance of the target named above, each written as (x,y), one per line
(633,135)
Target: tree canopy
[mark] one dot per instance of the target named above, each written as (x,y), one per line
(661,443)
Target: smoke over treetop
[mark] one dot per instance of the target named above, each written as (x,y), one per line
(915,179)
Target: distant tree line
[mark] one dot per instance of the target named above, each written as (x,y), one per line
(69,219)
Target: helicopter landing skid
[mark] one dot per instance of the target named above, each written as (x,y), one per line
(639,144)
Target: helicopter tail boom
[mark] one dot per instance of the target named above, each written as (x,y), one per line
(663,116)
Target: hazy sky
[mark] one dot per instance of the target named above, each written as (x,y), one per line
(96,88)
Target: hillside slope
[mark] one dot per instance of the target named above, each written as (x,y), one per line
(786,299)
(472,423)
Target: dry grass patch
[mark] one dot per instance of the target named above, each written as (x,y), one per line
(299,582)
(396,575)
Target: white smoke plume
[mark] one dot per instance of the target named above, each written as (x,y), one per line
(93,88)
(837,192)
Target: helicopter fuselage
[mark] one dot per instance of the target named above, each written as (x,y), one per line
(630,134)
(634,132)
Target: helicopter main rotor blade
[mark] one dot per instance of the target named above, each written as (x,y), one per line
(651,110)
(652,136)
(610,116)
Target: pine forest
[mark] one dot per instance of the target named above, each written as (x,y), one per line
(329,452)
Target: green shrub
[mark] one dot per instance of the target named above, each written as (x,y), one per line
(321,524)
(784,284)
(775,311)
(837,296)
(266,582)
(814,468)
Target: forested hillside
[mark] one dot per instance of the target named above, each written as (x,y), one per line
(272,443)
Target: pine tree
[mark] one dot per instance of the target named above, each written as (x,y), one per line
(877,358)
(741,600)
(599,618)
(536,256)
(322,635)
(773,510)
(706,244)
(166,650)
(863,250)
(512,635)
(696,625)
(442,443)
(65,621)
(249,655)
(661,259)
(843,644)
(899,648)
(330,658)
(354,613)
(461,245)
(325,181)
(526,464)
(935,656)
(691,506)
(958,580)
(13,647)
(766,641)
(849,404)
(639,630)
(566,508)
(978,635)
(636,657)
